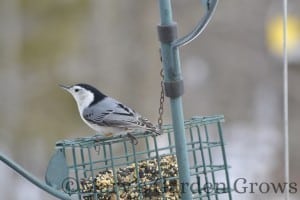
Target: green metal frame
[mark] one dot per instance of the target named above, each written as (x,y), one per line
(88,157)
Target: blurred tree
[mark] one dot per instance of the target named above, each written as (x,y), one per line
(50,30)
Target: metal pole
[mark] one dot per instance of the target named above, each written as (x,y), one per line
(174,89)
(286,98)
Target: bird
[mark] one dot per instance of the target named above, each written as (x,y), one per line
(106,115)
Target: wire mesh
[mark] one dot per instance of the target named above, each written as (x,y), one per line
(115,168)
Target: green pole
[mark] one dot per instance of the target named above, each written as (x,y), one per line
(174,89)
(33,179)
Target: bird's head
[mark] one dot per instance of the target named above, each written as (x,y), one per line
(85,95)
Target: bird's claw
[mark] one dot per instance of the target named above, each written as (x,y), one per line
(132,138)
(97,138)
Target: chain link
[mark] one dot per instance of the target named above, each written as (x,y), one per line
(162,99)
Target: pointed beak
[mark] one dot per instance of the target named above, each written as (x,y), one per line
(65,87)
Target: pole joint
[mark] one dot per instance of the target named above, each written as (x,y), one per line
(167,33)
(174,89)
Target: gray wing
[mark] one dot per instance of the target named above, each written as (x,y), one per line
(110,112)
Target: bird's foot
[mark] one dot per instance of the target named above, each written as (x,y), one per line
(97,138)
(132,138)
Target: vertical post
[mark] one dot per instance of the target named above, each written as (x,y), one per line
(286,98)
(174,89)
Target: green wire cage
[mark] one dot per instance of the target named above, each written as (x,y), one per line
(115,168)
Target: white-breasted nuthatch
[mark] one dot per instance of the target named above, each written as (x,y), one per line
(106,115)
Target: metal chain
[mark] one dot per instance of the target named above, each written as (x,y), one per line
(162,99)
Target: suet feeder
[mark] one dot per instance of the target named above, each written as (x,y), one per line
(115,168)
(187,162)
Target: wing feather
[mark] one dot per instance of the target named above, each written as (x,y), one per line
(117,115)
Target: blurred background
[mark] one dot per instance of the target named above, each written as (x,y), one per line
(234,68)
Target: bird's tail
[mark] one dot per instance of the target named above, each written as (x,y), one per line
(150,127)
(156,130)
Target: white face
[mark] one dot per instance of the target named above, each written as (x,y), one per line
(82,96)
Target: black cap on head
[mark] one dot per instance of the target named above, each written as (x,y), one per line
(98,96)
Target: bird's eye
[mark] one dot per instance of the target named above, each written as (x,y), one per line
(76,90)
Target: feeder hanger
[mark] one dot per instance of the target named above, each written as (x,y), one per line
(167,33)
(173,81)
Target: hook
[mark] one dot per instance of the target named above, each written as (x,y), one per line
(210,9)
